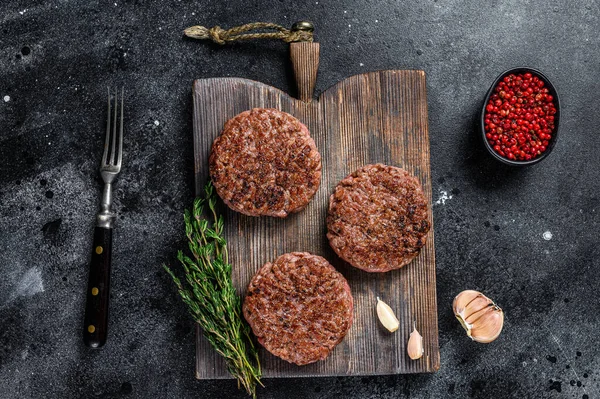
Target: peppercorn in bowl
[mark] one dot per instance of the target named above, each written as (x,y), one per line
(520,117)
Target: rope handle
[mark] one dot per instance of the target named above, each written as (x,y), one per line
(301,31)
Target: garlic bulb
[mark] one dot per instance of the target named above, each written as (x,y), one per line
(386,316)
(481,318)
(415,344)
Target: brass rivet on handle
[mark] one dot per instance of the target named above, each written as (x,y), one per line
(303,25)
(95,291)
(91,328)
(99,249)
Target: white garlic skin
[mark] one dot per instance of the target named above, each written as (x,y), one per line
(481,318)
(386,316)
(415,348)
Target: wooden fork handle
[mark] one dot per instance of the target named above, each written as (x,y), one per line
(96,310)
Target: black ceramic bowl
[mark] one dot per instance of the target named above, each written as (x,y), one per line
(554,133)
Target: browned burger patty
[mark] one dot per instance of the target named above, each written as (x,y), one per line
(299,307)
(264,162)
(377,218)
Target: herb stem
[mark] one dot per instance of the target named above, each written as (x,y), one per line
(210,295)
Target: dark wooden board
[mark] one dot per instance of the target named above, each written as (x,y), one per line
(368,118)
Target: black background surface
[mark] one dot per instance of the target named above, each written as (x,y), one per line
(57,58)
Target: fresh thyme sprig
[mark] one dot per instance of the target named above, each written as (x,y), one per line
(210,295)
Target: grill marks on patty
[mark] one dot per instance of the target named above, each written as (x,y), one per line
(299,307)
(377,218)
(265,163)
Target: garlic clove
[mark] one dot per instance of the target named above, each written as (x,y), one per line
(474,307)
(478,313)
(463,299)
(488,326)
(415,345)
(386,316)
(481,318)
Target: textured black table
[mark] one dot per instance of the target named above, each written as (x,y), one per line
(56,59)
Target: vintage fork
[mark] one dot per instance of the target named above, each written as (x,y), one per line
(96,310)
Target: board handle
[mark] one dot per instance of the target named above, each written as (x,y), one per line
(305,61)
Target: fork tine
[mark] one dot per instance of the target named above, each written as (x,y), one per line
(120,150)
(107,138)
(113,135)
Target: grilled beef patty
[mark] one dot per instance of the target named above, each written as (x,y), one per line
(377,219)
(299,307)
(264,162)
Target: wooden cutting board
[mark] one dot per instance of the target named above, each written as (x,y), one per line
(368,118)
